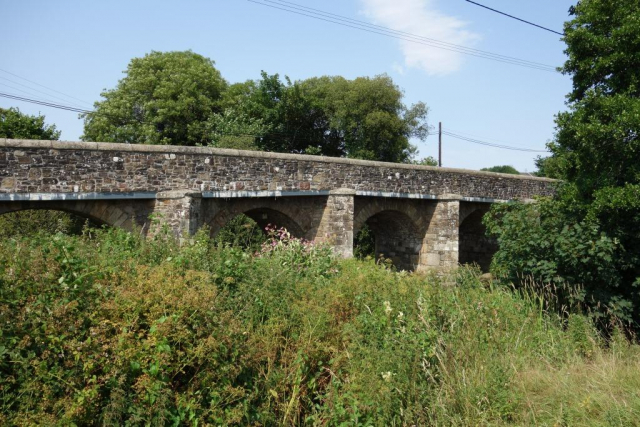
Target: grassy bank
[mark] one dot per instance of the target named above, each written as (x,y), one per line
(109,329)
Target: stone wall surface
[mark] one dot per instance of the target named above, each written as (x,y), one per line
(79,167)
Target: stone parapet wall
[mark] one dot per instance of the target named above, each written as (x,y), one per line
(28,166)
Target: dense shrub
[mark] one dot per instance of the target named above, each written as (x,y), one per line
(29,222)
(109,329)
(242,232)
(582,262)
(364,243)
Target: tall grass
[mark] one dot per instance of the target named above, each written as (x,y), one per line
(110,329)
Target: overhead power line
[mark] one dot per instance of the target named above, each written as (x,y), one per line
(297,9)
(25,92)
(45,87)
(491,144)
(45,103)
(34,90)
(514,17)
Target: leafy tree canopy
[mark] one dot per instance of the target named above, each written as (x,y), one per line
(17,125)
(362,118)
(180,98)
(550,167)
(165,98)
(232,129)
(426,161)
(502,169)
(598,138)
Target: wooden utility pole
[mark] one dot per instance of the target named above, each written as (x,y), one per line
(440,144)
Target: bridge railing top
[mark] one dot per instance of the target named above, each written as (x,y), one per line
(204,151)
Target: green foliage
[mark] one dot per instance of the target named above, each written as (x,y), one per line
(580,261)
(30,222)
(598,142)
(364,243)
(550,167)
(603,48)
(165,98)
(17,125)
(179,98)
(112,329)
(597,139)
(231,129)
(241,232)
(426,161)
(502,169)
(362,118)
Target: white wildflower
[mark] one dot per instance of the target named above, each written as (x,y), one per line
(387,307)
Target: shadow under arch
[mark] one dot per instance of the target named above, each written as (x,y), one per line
(270,217)
(26,222)
(263,217)
(113,213)
(396,237)
(475,247)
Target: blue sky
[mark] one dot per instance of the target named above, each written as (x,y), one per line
(81,48)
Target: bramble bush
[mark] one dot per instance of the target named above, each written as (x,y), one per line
(108,328)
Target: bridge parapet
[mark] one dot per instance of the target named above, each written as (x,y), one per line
(87,168)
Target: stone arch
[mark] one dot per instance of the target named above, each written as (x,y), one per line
(114,213)
(270,217)
(475,247)
(299,217)
(399,227)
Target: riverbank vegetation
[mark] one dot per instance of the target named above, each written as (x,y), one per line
(108,328)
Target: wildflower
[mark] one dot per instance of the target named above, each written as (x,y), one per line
(387,307)
(387,376)
(400,315)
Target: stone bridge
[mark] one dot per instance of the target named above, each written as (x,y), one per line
(422,217)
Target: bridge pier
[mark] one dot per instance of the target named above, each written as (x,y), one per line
(181,210)
(336,225)
(441,244)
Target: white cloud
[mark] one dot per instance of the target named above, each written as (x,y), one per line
(398,68)
(420,17)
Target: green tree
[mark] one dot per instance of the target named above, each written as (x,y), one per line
(502,169)
(232,129)
(17,125)
(597,152)
(362,118)
(165,98)
(550,167)
(426,161)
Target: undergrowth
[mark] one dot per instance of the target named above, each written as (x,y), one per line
(107,328)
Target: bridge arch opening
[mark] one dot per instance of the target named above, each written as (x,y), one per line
(266,217)
(475,246)
(390,234)
(248,229)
